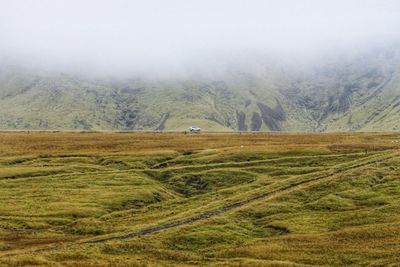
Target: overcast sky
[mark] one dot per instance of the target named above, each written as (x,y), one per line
(129,35)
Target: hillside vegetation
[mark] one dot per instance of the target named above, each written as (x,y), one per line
(348,93)
(250,199)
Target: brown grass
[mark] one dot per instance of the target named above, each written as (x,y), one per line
(48,143)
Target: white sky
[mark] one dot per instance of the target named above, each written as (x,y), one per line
(164,35)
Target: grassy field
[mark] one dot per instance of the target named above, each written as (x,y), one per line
(175,199)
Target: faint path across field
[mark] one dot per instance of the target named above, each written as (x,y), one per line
(217,211)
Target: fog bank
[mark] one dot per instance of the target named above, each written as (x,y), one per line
(178,36)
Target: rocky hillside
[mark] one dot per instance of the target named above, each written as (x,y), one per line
(351,94)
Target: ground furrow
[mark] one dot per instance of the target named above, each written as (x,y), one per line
(217,211)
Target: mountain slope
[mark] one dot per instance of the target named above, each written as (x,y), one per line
(346,94)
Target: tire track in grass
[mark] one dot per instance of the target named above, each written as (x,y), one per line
(214,212)
(217,211)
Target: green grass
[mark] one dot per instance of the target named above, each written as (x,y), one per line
(344,95)
(59,198)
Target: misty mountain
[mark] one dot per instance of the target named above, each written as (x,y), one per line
(358,93)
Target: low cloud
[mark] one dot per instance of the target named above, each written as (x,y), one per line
(177,36)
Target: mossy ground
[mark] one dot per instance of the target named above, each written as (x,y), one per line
(59,189)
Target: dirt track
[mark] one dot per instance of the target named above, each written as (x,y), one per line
(217,211)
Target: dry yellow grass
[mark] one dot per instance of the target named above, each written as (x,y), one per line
(23,143)
(59,189)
